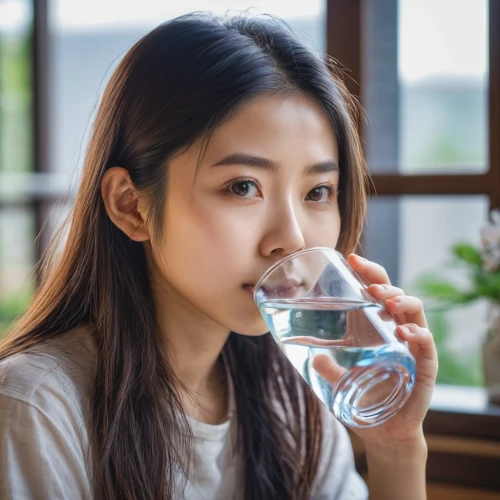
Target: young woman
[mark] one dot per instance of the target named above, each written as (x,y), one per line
(142,368)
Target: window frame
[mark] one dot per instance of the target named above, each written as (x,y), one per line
(345,42)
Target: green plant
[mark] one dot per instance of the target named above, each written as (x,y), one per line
(482,265)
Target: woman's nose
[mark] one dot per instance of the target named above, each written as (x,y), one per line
(284,234)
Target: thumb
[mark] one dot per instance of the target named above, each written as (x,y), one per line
(327,368)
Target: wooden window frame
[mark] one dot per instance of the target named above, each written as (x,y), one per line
(38,201)
(40,111)
(345,42)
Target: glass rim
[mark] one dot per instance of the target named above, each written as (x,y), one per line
(286,259)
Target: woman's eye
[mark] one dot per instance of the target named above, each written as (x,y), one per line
(321,194)
(244,188)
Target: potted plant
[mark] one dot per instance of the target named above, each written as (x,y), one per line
(483,265)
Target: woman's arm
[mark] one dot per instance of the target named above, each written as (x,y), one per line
(397,471)
(396,450)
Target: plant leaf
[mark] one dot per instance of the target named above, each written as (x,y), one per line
(437,288)
(468,253)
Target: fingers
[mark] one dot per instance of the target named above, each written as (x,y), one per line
(422,346)
(385,292)
(404,308)
(420,337)
(369,271)
(327,368)
(411,307)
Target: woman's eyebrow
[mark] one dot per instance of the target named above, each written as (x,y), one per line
(266,163)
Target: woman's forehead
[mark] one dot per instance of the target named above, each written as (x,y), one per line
(274,125)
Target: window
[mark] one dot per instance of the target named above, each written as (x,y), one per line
(17,209)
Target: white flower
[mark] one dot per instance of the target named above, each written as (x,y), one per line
(495,217)
(491,260)
(490,239)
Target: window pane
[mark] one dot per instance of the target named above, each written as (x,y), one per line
(17,255)
(425,72)
(412,236)
(17,226)
(15,86)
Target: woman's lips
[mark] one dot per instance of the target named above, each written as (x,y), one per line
(283,287)
(249,288)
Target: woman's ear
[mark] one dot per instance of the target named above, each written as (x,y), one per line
(121,201)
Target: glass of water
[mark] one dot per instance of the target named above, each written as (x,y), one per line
(316,305)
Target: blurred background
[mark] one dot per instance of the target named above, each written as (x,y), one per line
(422,70)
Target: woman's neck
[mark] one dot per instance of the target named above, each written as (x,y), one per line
(201,373)
(211,404)
(193,344)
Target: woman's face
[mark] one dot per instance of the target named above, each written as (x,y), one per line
(266,187)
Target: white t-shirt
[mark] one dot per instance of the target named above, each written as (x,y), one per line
(44,447)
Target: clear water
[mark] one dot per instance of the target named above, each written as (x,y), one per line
(370,373)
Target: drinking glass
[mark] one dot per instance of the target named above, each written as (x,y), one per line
(315,304)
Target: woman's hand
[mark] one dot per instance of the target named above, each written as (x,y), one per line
(406,426)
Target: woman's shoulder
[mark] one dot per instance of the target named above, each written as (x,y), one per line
(57,372)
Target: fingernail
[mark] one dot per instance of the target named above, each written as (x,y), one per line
(395,299)
(361,259)
(404,330)
(378,288)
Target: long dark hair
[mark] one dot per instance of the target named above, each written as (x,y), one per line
(174,86)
